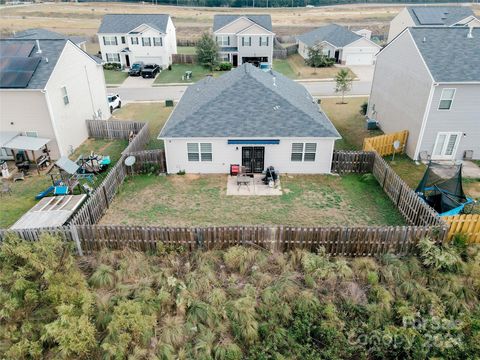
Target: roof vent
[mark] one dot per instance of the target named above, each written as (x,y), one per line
(276,107)
(424,39)
(274,81)
(39,50)
(46,60)
(470,33)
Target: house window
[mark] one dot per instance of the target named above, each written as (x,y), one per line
(199,151)
(223,40)
(263,40)
(66,101)
(224,57)
(113,57)
(446,99)
(110,40)
(247,41)
(31,133)
(157,41)
(123,39)
(146,41)
(134,40)
(304,151)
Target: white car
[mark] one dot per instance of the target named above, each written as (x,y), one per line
(114,102)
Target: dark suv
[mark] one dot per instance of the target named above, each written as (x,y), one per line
(150,70)
(136,69)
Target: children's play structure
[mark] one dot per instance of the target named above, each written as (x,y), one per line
(443,193)
(93,163)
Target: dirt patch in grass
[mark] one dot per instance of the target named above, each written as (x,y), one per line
(201,200)
(155,114)
(348,121)
(303,71)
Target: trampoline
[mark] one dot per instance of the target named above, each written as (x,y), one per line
(444,194)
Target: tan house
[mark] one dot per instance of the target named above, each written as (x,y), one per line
(48,88)
(432,16)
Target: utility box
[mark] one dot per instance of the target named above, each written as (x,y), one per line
(372,124)
(168,103)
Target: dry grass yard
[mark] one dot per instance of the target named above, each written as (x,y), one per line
(84,18)
(201,200)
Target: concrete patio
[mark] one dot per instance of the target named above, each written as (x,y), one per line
(255,187)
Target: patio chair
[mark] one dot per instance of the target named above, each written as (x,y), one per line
(6,190)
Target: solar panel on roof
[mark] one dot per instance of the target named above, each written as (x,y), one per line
(16,72)
(429,16)
(22,50)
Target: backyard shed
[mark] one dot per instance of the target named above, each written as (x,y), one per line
(50,212)
(252,118)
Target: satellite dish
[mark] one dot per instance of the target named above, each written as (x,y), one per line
(129,161)
(396,144)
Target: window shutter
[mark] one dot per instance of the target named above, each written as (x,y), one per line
(243,41)
(116,43)
(260,41)
(250,41)
(161,41)
(104,41)
(216,39)
(228,40)
(267,40)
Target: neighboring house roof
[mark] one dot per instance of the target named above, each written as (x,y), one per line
(44,34)
(51,50)
(334,34)
(248,103)
(438,15)
(220,20)
(124,23)
(450,55)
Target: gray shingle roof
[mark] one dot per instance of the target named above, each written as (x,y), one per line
(51,49)
(448,52)
(45,34)
(220,20)
(438,15)
(336,35)
(124,23)
(248,102)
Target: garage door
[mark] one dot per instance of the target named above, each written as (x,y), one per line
(359,59)
(150,59)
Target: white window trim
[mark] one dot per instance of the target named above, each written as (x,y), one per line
(113,56)
(149,41)
(136,39)
(160,43)
(441,98)
(303,152)
(199,152)
(221,40)
(107,40)
(267,40)
(455,148)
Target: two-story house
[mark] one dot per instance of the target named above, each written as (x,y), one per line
(128,38)
(427,16)
(427,81)
(244,38)
(48,88)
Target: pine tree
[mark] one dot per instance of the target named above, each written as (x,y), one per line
(207,51)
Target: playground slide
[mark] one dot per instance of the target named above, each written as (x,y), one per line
(44,193)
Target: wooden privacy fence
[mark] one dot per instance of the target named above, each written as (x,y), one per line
(146,157)
(337,241)
(103,129)
(184,59)
(411,206)
(468,225)
(359,162)
(383,144)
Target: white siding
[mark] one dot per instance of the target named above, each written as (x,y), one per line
(85,84)
(224,154)
(463,117)
(399,23)
(360,52)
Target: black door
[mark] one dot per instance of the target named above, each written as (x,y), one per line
(253,158)
(127,60)
(235,60)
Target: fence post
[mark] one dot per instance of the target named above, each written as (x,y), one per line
(74,232)
(273,239)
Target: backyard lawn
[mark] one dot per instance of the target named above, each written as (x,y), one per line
(201,200)
(187,50)
(178,70)
(155,114)
(13,206)
(348,121)
(113,77)
(294,67)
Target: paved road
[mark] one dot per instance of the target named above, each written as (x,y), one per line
(159,93)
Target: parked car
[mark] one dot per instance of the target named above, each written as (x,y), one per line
(136,69)
(114,102)
(150,70)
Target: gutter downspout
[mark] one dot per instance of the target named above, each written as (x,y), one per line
(52,120)
(424,122)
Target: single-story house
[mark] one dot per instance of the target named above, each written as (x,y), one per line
(433,15)
(252,118)
(427,81)
(346,46)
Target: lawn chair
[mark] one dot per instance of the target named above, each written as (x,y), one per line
(6,190)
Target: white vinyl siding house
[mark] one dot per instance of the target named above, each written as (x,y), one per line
(345,46)
(244,38)
(128,38)
(208,135)
(418,86)
(63,92)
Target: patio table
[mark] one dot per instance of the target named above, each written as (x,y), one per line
(243,180)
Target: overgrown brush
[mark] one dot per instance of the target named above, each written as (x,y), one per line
(242,303)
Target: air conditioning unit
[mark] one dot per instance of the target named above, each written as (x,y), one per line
(468,155)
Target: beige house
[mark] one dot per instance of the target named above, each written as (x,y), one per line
(244,38)
(48,88)
(432,16)
(427,81)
